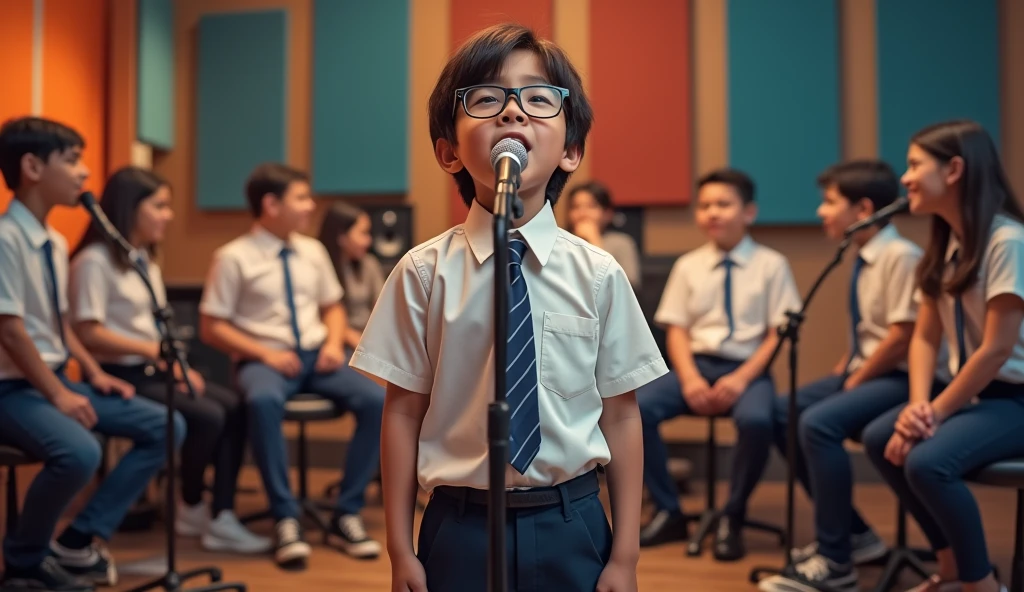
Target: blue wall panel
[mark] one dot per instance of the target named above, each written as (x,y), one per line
(360,96)
(155,74)
(945,66)
(241,83)
(784,101)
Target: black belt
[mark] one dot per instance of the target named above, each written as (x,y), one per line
(577,488)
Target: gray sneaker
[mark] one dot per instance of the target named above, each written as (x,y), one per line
(866,547)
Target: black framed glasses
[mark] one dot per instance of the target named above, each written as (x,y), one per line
(483,101)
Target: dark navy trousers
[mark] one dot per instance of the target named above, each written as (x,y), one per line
(561,548)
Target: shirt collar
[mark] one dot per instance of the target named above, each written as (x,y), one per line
(739,255)
(267,242)
(874,247)
(539,233)
(36,233)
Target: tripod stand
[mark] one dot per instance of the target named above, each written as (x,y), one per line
(791,333)
(172,351)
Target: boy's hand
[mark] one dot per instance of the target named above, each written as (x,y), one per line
(195,378)
(726,390)
(330,359)
(916,421)
(77,407)
(284,362)
(407,574)
(695,392)
(852,381)
(109,385)
(617,577)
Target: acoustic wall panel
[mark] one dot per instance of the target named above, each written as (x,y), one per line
(945,66)
(240,103)
(784,101)
(155,79)
(360,96)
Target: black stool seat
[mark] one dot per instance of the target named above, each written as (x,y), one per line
(309,407)
(1005,473)
(12,457)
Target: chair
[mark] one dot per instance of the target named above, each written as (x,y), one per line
(708,518)
(11,458)
(304,408)
(1009,474)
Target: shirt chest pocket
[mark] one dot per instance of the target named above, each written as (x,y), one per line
(568,359)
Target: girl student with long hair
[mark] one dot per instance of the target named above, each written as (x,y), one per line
(971,281)
(590,216)
(113,316)
(345,232)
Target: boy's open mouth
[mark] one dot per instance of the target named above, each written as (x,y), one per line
(516,136)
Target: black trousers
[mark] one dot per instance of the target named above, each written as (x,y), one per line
(216,436)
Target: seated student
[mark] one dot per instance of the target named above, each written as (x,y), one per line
(273,302)
(590,214)
(870,379)
(113,314)
(42,412)
(972,283)
(345,233)
(721,305)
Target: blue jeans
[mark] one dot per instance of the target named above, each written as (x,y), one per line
(828,417)
(662,400)
(267,391)
(71,455)
(931,481)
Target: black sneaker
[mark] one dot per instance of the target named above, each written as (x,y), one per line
(729,540)
(351,536)
(813,574)
(291,552)
(665,527)
(865,548)
(47,575)
(92,563)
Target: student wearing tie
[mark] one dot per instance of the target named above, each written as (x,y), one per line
(272,301)
(44,413)
(112,312)
(721,306)
(971,280)
(868,380)
(577,348)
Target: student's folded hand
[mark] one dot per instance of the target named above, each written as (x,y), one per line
(77,407)
(897,449)
(696,391)
(195,379)
(286,363)
(110,385)
(726,390)
(916,421)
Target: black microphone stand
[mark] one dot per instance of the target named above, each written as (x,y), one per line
(506,205)
(791,332)
(172,351)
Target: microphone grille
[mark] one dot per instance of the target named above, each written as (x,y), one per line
(511,146)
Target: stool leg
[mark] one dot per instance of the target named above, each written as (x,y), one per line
(12,499)
(1017,571)
(709,517)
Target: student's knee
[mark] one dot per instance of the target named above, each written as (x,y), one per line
(180,429)
(79,463)
(207,421)
(875,438)
(758,426)
(924,472)
(265,400)
(814,429)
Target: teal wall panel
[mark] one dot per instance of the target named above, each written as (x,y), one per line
(241,114)
(784,101)
(155,73)
(360,97)
(945,66)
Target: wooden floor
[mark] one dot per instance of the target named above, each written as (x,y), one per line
(664,568)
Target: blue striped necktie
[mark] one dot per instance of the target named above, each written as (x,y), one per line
(521,366)
(290,295)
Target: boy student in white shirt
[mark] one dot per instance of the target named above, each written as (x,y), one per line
(578,347)
(113,316)
(721,306)
(273,302)
(868,380)
(972,283)
(42,412)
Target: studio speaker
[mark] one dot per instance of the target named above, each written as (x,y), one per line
(391,229)
(630,220)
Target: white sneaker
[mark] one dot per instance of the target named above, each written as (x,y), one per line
(192,521)
(226,533)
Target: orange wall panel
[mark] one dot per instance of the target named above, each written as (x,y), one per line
(16,98)
(75,88)
(469,16)
(641,144)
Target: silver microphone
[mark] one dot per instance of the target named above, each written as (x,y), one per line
(509,159)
